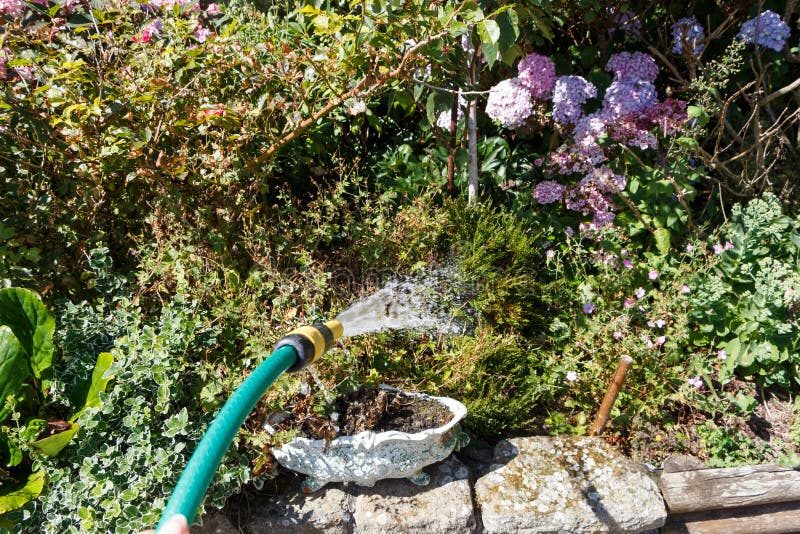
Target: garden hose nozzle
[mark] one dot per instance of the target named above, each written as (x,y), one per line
(311,342)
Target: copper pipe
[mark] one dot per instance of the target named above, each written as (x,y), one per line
(603,414)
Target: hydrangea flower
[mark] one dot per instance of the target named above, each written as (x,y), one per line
(633,67)
(569,96)
(509,103)
(689,32)
(767,29)
(538,74)
(626,21)
(12,8)
(548,191)
(625,98)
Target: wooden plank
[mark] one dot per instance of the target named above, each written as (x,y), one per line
(713,489)
(765,519)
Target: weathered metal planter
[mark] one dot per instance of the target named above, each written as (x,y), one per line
(370,456)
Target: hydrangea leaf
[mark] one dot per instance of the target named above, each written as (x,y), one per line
(24,313)
(52,445)
(14,369)
(15,496)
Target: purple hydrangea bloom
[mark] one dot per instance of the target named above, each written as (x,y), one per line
(633,67)
(689,32)
(767,29)
(569,96)
(625,98)
(538,74)
(12,8)
(509,103)
(548,191)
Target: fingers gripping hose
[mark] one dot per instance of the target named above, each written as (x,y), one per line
(311,342)
(298,349)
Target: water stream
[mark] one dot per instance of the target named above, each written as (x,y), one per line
(430,302)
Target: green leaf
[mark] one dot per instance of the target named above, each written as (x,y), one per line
(15,369)
(662,237)
(100,379)
(24,313)
(489,31)
(52,445)
(10,454)
(508,22)
(15,496)
(697,113)
(490,52)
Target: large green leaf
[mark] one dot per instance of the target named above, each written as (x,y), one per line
(100,379)
(14,369)
(24,313)
(13,496)
(52,445)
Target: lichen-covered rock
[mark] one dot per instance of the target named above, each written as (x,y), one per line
(443,507)
(323,512)
(566,484)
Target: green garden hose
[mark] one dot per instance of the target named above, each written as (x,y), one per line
(299,348)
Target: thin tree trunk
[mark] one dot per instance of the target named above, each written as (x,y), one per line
(451,149)
(472,135)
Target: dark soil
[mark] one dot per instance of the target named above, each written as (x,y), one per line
(370,408)
(367,408)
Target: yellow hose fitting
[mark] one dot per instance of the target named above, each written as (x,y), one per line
(311,342)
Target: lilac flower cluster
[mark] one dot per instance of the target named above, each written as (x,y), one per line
(509,103)
(537,73)
(632,67)
(687,31)
(767,29)
(569,96)
(548,191)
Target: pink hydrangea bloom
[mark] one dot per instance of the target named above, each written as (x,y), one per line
(509,103)
(538,74)
(633,67)
(624,98)
(12,8)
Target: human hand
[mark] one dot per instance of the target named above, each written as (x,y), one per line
(177,524)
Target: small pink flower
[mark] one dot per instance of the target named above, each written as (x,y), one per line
(647,342)
(661,323)
(588,308)
(26,73)
(722,355)
(628,303)
(718,249)
(728,245)
(689,248)
(569,231)
(538,162)
(652,275)
(685,289)
(660,340)
(144,38)
(618,335)
(201,34)
(627,263)
(695,381)
(214,112)
(550,254)
(213,9)
(640,293)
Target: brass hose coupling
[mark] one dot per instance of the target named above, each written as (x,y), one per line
(311,342)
